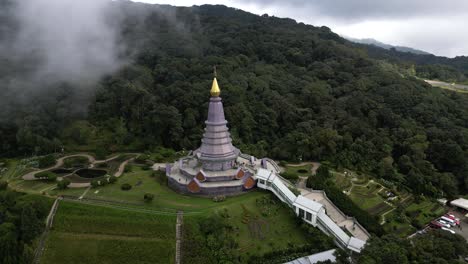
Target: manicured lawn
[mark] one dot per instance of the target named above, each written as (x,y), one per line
(343,182)
(366,198)
(85,233)
(164,197)
(32,186)
(425,211)
(302,171)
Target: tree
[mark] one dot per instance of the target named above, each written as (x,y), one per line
(63,184)
(31,225)
(112,179)
(3,185)
(46,161)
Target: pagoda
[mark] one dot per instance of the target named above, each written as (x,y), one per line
(216,167)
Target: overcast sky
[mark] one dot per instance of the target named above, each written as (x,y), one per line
(436,26)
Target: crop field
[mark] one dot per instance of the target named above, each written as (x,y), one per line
(93,234)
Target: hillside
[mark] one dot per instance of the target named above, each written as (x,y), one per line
(426,66)
(373,42)
(291,91)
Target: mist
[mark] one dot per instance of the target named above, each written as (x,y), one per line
(50,47)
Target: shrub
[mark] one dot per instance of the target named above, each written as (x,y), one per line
(101,153)
(125,187)
(146,168)
(46,175)
(142,158)
(128,168)
(63,184)
(46,161)
(302,171)
(3,185)
(112,179)
(160,176)
(292,176)
(148,197)
(94,183)
(219,198)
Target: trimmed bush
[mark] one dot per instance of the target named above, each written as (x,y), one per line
(46,161)
(63,184)
(94,183)
(290,176)
(148,197)
(3,185)
(125,187)
(112,179)
(46,175)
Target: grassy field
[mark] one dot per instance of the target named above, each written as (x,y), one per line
(93,234)
(261,231)
(301,171)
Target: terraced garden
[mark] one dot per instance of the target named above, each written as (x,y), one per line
(85,233)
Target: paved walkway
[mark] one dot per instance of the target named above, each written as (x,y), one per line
(49,221)
(30,176)
(180,218)
(337,216)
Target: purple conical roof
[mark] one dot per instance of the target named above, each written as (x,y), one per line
(216,151)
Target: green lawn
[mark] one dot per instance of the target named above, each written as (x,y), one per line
(425,211)
(302,171)
(343,182)
(271,227)
(258,233)
(93,234)
(367,197)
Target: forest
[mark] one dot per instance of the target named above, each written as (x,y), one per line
(291,92)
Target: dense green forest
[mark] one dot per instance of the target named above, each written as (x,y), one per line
(21,222)
(425,66)
(291,91)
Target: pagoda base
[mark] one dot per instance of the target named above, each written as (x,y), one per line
(211,191)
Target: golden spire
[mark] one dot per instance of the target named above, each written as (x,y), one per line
(215,91)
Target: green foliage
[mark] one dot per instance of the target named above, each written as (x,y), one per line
(46,175)
(112,179)
(63,184)
(21,221)
(148,197)
(290,176)
(322,181)
(437,246)
(76,162)
(125,187)
(95,183)
(46,161)
(3,185)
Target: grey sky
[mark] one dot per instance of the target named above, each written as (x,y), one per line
(435,26)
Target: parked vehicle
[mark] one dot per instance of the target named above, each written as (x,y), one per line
(448,230)
(435,225)
(451,216)
(448,220)
(443,223)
